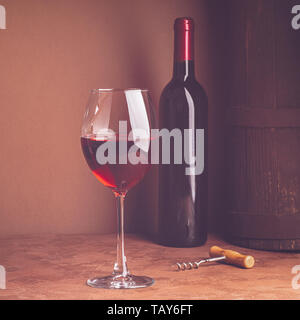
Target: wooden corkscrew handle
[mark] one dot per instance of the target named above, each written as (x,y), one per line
(232,257)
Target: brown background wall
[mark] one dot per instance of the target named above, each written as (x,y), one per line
(51,55)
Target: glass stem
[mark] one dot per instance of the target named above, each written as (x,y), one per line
(120,267)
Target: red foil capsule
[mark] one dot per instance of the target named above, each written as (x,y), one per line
(184,39)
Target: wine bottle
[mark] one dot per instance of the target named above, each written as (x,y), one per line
(182,220)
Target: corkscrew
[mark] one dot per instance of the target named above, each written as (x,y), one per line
(216,254)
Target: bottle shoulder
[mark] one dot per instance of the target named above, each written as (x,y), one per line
(176,92)
(177,88)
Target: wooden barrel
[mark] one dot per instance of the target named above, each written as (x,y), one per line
(264,126)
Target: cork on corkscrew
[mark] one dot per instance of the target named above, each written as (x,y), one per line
(216,254)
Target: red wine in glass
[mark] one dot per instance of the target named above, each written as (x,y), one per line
(119,177)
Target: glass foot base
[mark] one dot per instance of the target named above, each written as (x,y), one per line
(120,282)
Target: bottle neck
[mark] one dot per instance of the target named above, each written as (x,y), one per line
(183,49)
(184,70)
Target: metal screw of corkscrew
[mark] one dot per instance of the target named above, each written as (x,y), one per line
(195,265)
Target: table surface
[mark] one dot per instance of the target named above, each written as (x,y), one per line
(57,267)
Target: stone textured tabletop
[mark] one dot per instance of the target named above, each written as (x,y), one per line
(57,267)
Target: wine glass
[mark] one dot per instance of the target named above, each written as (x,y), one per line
(116,143)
